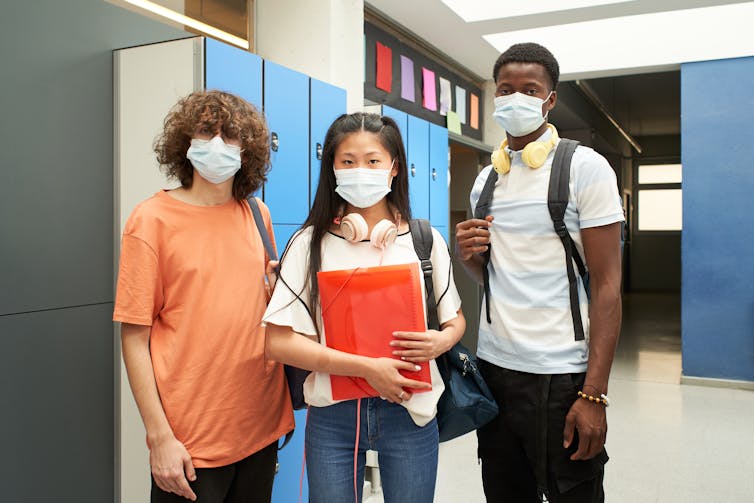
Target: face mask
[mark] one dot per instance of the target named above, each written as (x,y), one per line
(215,160)
(519,114)
(362,187)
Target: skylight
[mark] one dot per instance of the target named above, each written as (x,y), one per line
(482,10)
(647,40)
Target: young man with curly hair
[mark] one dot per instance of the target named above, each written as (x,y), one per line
(190,296)
(550,378)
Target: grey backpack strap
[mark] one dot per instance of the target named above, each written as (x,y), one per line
(259,221)
(557,202)
(421,235)
(261,227)
(481,210)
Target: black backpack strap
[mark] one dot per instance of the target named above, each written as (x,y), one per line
(272,256)
(557,201)
(481,211)
(421,235)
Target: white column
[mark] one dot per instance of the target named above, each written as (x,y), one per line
(321,38)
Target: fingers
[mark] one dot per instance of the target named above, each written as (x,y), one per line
(570,424)
(472,236)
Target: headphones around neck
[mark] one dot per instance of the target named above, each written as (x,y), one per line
(534,154)
(355,229)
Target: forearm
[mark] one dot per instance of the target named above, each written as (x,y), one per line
(474,267)
(604,330)
(286,346)
(135,345)
(453,330)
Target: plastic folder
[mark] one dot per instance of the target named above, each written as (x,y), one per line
(361,308)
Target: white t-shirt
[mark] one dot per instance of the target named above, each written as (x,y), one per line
(532,328)
(285,309)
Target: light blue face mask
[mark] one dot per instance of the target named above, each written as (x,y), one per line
(214,160)
(362,187)
(519,114)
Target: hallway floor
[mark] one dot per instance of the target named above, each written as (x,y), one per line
(668,443)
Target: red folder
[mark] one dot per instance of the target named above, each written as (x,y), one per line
(361,308)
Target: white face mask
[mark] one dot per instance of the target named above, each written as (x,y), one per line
(519,114)
(362,187)
(215,160)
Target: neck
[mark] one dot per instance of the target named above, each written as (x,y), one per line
(373,214)
(518,143)
(204,193)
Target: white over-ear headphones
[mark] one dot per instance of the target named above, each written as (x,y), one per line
(354,228)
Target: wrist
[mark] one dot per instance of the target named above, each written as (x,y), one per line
(159,437)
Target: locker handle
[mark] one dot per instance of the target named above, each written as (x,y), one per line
(413,169)
(319,151)
(434,174)
(275,142)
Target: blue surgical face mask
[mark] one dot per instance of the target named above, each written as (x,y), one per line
(362,187)
(519,114)
(215,160)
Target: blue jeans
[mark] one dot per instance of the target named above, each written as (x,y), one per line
(407,452)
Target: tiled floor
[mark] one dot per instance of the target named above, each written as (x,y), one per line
(668,443)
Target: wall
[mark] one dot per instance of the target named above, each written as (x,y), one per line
(57,351)
(717,300)
(320,38)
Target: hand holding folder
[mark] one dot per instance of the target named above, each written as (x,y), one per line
(361,308)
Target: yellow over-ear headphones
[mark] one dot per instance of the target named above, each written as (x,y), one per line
(534,154)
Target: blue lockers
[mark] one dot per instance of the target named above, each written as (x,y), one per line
(286,106)
(233,70)
(427,156)
(327,103)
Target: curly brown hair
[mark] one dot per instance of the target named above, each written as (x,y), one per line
(240,119)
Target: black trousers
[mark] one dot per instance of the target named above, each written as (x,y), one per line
(246,481)
(522,451)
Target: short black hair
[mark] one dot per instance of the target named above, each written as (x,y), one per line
(529,52)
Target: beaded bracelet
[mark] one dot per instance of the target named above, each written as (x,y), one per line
(602,399)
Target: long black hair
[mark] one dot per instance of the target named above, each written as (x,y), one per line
(328,203)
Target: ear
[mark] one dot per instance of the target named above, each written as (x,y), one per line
(394,170)
(551,101)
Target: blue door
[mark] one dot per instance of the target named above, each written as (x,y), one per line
(418,166)
(286,106)
(231,69)
(327,103)
(438,176)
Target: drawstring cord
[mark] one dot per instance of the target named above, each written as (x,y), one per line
(356,451)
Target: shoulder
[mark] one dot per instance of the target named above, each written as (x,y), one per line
(587,160)
(263,209)
(146,213)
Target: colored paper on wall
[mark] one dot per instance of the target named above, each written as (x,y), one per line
(429,92)
(407,79)
(445,98)
(454,125)
(474,111)
(461,104)
(384,79)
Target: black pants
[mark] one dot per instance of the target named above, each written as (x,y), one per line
(522,450)
(246,481)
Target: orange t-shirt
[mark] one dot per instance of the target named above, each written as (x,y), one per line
(195,274)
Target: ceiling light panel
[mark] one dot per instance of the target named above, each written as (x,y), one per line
(643,41)
(482,10)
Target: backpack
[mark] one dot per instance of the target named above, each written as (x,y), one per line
(557,201)
(467,402)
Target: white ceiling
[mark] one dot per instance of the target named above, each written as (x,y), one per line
(615,38)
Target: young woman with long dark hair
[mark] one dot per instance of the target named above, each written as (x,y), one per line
(363,182)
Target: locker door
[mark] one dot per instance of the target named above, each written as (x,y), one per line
(285,488)
(438,175)
(418,166)
(231,69)
(327,102)
(286,105)
(401,118)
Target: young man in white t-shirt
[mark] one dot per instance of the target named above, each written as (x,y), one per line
(548,442)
